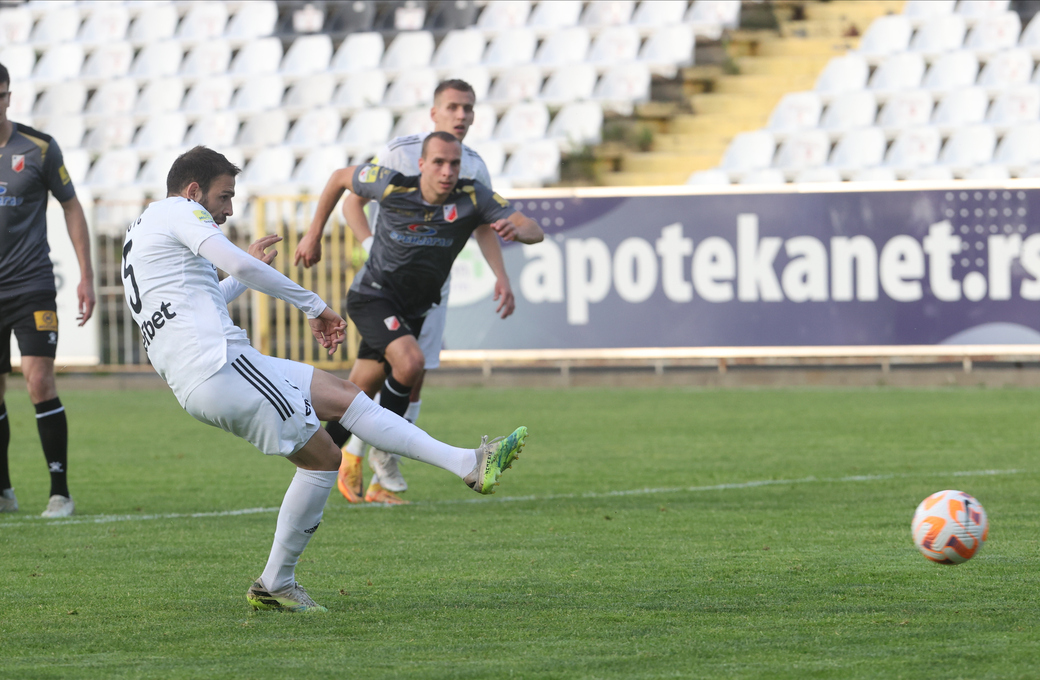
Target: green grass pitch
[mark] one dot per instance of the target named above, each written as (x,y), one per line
(643,534)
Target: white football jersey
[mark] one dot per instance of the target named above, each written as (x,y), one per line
(174,293)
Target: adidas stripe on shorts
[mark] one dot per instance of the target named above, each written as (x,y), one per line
(264,400)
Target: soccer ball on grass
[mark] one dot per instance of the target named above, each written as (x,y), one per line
(949,527)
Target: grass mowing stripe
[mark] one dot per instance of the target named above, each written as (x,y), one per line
(102,519)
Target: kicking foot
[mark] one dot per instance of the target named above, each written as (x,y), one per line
(377,494)
(493,458)
(292,599)
(8,503)
(59,506)
(349,480)
(385,466)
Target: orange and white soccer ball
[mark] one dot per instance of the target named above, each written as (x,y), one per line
(949,527)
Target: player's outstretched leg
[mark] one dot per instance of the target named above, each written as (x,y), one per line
(493,458)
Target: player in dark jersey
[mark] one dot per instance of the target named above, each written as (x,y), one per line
(31,165)
(424,222)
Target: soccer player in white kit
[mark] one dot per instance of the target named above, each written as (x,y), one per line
(170,260)
(452,112)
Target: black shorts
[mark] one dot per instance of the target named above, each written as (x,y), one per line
(379,322)
(34,319)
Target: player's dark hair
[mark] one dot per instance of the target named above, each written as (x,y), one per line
(200,165)
(454,84)
(5,77)
(443,136)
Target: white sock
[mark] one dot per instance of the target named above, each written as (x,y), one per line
(392,433)
(355,446)
(298,518)
(411,414)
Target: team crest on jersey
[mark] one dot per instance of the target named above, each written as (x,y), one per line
(392,323)
(18,162)
(368,174)
(451,213)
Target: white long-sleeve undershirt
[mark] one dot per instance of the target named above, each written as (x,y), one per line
(247,271)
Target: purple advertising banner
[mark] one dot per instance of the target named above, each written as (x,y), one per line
(901,267)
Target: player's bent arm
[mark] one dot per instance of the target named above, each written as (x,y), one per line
(230,287)
(76,223)
(309,249)
(357,220)
(518,227)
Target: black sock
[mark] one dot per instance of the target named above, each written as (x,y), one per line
(54,435)
(5,440)
(339,434)
(394,396)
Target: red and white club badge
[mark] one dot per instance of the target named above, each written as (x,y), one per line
(451,212)
(392,323)
(18,162)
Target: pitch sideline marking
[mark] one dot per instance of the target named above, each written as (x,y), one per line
(104,519)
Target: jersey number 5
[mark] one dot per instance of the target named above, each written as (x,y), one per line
(128,272)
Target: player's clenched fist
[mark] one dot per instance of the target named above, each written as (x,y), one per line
(308,251)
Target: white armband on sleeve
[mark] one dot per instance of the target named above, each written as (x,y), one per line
(232,288)
(259,276)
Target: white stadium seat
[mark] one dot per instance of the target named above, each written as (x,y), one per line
(803,149)
(843,74)
(408,50)
(58,63)
(478,77)
(317,127)
(795,111)
(108,61)
(905,110)
(516,84)
(1030,38)
(413,122)
(712,177)
(410,89)
(667,49)
(914,148)
(993,33)
(19,60)
(161,131)
(254,19)
(896,72)
(886,35)
(534,164)
(1015,105)
(549,17)
(1006,69)
(710,17)
(504,15)
(115,97)
(113,132)
(315,168)
(459,48)
(1020,146)
(510,48)
(61,99)
(874,175)
(930,173)
(108,22)
(656,13)
(492,153)
(156,21)
(259,93)
(359,52)
(208,58)
(942,33)
(952,71)
(257,57)
(310,92)
(920,11)
(23,97)
(749,151)
(360,89)
(77,163)
(817,174)
(967,147)
(614,45)
(216,129)
(858,149)
(204,21)
(572,83)
(264,129)
(608,13)
(307,54)
(15,25)
(989,171)
(764,176)
(563,47)
(982,8)
(622,87)
(68,131)
(522,123)
(577,125)
(366,131)
(484,122)
(269,168)
(161,95)
(208,94)
(58,25)
(961,107)
(158,59)
(117,207)
(849,110)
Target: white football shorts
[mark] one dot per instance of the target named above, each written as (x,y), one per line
(431,337)
(264,400)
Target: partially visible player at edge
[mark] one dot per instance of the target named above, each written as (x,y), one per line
(170,259)
(424,222)
(452,112)
(31,165)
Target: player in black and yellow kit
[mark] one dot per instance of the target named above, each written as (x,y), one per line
(31,165)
